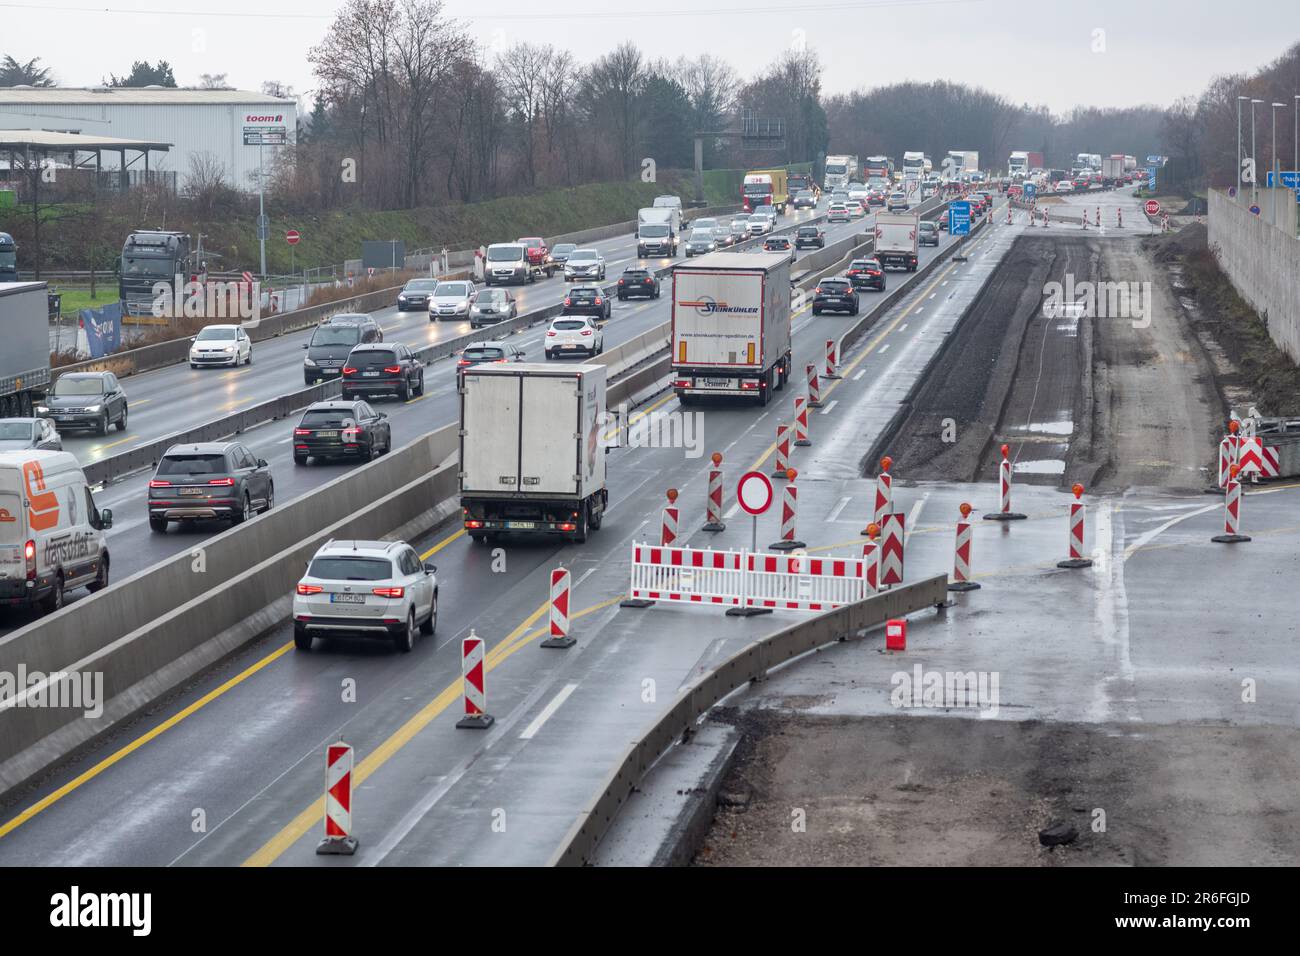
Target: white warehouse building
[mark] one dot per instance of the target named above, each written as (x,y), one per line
(201,125)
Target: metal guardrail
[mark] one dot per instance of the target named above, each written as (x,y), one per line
(749,664)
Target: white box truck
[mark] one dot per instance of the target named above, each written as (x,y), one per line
(731,325)
(658,231)
(531,456)
(24,347)
(897,234)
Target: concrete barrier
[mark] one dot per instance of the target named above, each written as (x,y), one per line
(1263,264)
(749,664)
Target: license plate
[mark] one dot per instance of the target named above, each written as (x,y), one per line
(522,525)
(330,371)
(327,434)
(716,382)
(191,491)
(370,374)
(347,598)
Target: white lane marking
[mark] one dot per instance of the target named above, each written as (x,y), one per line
(861,372)
(913,517)
(933,294)
(285,441)
(920,310)
(835,512)
(944,282)
(586,574)
(547,711)
(902,328)
(1144,539)
(731,512)
(884,348)
(834,402)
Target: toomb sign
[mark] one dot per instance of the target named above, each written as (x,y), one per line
(1152,207)
(754,492)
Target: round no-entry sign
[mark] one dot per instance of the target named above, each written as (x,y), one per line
(1152,207)
(292,237)
(754,492)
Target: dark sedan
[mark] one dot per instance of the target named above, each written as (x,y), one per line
(414,296)
(341,430)
(866,274)
(587,300)
(835,295)
(638,282)
(86,400)
(221,480)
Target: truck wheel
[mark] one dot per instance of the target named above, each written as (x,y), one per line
(101,579)
(54,600)
(595,519)
(580,536)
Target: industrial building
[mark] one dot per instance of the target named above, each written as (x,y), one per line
(230,126)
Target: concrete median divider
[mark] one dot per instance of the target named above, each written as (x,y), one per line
(749,664)
(158,628)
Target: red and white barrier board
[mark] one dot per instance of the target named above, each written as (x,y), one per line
(339,839)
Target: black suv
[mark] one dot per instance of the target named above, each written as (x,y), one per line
(810,236)
(85,400)
(638,282)
(866,274)
(383,369)
(587,300)
(332,340)
(835,295)
(341,430)
(221,480)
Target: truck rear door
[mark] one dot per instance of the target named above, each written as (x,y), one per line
(549,435)
(490,443)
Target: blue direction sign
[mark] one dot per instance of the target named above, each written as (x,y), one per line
(1030,190)
(1290,179)
(1151,177)
(959,218)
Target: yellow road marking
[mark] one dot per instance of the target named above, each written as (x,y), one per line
(139,742)
(314,814)
(99,449)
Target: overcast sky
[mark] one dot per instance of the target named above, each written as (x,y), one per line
(1098,52)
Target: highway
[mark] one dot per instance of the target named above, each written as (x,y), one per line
(243,744)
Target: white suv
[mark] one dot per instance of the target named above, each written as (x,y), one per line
(365,589)
(572,334)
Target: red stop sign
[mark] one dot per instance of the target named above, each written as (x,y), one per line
(292,237)
(1152,207)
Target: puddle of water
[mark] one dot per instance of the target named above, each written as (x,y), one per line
(1042,466)
(1048,428)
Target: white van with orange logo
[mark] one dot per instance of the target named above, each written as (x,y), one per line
(51,534)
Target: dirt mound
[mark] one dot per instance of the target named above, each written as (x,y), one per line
(1170,246)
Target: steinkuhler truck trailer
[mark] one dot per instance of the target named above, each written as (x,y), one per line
(731,325)
(24,347)
(531,456)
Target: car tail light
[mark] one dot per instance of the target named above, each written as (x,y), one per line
(649,281)
(682,383)
(498,361)
(620,281)
(354,431)
(599,300)
(388,592)
(462,362)
(296,431)
(29,555)
(310,589)
(550,333)
(568,526)
(348,370)
(586,331)
(392,369)
(473,523)
(568,301)
(159,483)
(224,482)
(750,385)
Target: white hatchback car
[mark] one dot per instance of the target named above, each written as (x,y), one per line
(365,589)
(221,345)
(838,212)
(570,334)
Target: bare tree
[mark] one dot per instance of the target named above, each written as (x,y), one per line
(206,183)
(614,82)
(213,81)
(523,70)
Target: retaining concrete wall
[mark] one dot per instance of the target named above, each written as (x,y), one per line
(1263,264)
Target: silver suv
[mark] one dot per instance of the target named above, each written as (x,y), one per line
(365,589)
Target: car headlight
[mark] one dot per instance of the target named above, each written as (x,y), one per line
(41,410)
(92,408)
(228,349)
(309,363)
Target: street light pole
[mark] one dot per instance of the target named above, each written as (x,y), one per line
(1254,157)
(1272,195)
(1239,99)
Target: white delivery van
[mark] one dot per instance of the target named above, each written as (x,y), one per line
(51,534)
